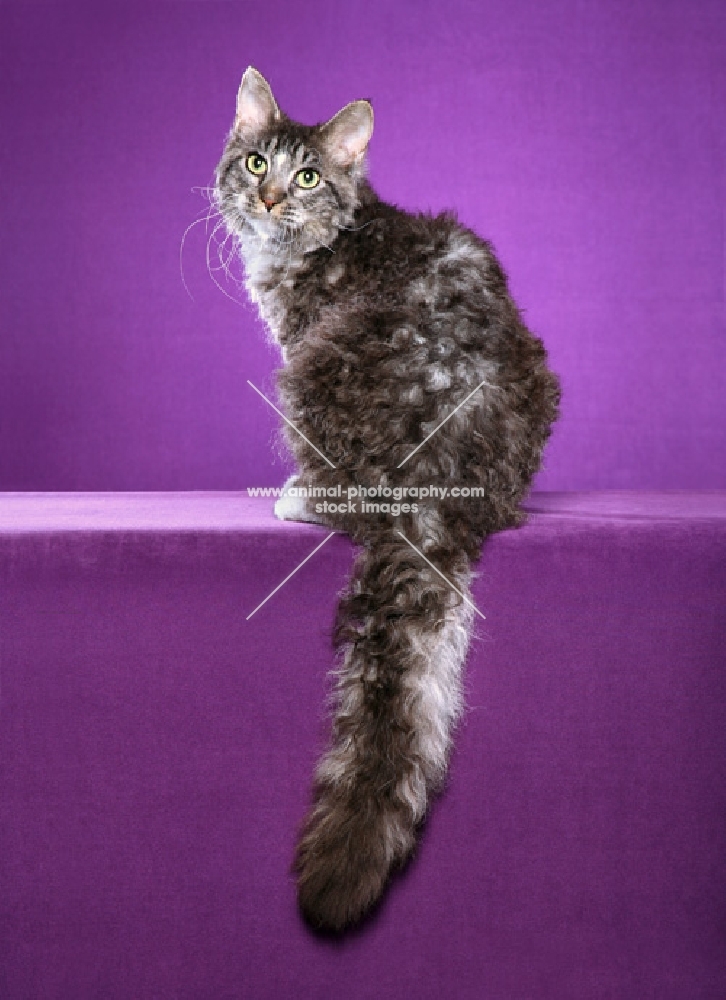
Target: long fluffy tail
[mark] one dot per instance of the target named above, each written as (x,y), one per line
(403,633)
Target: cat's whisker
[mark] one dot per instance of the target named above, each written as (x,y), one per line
(285,242)
(210,193)
(212,218)
(222,225)
(213,212)
(280,240)
(220,252)
(357,229)
(225,262)
(191,226)
(210,269)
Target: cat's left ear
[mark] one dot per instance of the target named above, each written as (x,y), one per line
(348,133)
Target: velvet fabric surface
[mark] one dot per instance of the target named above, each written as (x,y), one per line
(157,746)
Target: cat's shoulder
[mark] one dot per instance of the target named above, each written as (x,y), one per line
(424,235)
(404,248)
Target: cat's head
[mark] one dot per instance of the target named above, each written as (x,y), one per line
(291,183)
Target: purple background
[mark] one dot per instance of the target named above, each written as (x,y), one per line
(585,139)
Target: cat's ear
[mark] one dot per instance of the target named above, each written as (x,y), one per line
(256,107)
(348,133)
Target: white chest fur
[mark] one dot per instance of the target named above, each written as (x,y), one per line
(269,274)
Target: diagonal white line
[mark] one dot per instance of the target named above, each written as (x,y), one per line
(484,382)
(293,425)
(444,578)
(272,594)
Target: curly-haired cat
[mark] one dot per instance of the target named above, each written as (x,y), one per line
(387,321)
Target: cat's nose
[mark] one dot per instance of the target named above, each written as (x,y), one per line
(270,200)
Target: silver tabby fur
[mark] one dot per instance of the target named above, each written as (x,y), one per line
(386,321)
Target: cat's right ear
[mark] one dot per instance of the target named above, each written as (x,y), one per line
(256,107)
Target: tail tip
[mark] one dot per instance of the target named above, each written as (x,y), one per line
(335,894)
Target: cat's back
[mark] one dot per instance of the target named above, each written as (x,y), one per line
(405,289)
(400,258)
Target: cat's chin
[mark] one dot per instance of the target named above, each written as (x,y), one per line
(264,227)
(273,235)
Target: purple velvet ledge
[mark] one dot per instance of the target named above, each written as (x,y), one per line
(156,750)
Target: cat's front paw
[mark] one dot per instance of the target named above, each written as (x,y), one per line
(294,508)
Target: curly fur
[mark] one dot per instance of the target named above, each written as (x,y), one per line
(387,321)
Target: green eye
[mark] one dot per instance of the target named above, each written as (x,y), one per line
(307,178)
(256,164)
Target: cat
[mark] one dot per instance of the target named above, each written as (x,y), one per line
(406,363)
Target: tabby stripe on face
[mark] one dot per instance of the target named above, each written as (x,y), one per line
(310,156)
(226,172)
(334,189)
